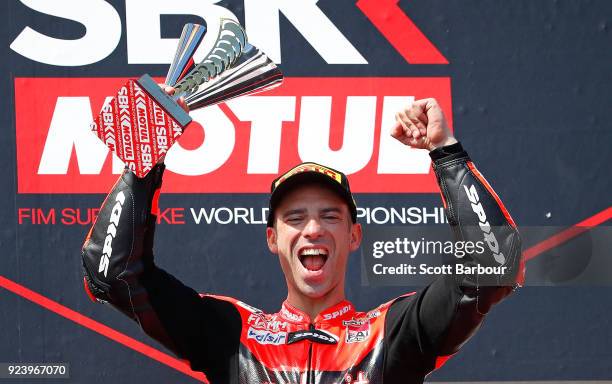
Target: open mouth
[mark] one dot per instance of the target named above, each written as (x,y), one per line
(313,259)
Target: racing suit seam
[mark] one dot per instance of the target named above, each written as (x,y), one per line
(451,162)
(450,204)
(128,260)
(98,288)
(468,171)
(436,350)
(442,183)
(462,163)
(458,219)
(385,339)
(459,228)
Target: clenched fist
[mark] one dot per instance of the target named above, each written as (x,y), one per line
(422,125)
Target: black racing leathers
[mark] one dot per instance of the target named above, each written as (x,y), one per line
(400,341)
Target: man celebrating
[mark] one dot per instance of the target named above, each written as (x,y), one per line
(317,336)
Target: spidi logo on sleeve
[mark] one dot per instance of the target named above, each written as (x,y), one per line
(489,236)
(111,233)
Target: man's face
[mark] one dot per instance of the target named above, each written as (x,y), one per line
(313,235)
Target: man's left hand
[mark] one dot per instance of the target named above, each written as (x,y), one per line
(423,126)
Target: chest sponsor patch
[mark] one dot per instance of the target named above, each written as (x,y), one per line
(315,335)
(263,336)
(357,330)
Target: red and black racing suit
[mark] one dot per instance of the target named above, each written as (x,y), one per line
(231,342)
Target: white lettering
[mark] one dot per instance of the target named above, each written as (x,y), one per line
(202,214)
(68,130)
(267,114)
(339,312)
(145,46)
(358,139)
(224,215)
(489,236)
(218,145)
(111,233)
(262,25)
(393,156)
(102,33)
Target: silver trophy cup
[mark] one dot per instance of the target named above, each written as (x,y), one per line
(231,68)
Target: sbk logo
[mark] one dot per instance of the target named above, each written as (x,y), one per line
(104,28)
(111,233)
(237,147)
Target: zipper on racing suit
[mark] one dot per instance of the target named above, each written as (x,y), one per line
(309,374)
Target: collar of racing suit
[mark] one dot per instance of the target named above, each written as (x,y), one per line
(313,332)
(332,314)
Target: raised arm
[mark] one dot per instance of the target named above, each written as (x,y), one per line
(119,270)
(439,320)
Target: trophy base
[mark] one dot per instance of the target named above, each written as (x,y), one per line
(164,101)
(140,124)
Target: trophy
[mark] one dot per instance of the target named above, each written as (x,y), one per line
(142,122)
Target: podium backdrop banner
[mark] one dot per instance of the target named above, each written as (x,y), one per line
(525,86)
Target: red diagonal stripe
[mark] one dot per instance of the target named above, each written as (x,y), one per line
(401,32)
(568,234)
(100,328)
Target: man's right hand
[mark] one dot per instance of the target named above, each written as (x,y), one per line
(170,91)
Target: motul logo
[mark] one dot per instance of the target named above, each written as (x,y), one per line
(126,124)
(111,233)
(141,116)
(240,146)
